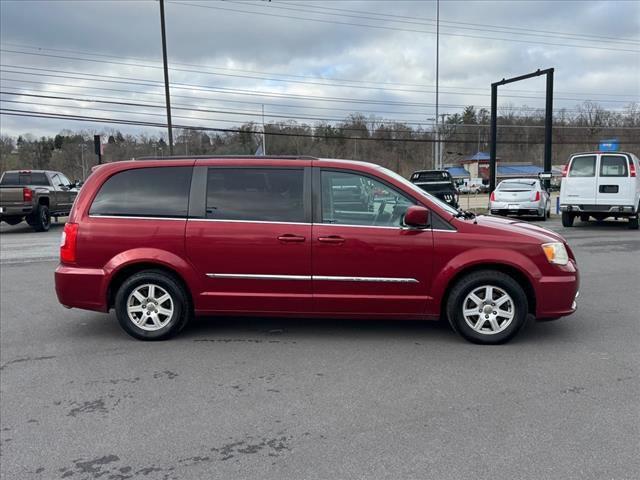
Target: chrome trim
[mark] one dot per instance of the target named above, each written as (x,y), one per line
(365,279)
(245,221)
(138,217)
(260,276)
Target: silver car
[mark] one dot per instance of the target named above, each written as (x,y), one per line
(520,197)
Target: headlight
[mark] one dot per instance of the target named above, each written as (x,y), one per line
(556,253)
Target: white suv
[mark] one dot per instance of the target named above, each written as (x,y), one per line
(600,185)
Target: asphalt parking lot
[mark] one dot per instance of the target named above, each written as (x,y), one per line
(287,399)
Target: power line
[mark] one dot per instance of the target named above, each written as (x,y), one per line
(459,25)
(381,27)
(333,79)
(233,91)
(275,79)
(27,113)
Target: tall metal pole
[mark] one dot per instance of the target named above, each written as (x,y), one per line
(438,146)
(494,137)
(166,76)
(548,124)
(264,140)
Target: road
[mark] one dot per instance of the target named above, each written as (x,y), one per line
(300,399)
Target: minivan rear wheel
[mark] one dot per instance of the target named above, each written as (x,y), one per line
(487,307)
(567,219)
(152,305)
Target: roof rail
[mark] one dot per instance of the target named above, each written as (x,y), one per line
(242,157)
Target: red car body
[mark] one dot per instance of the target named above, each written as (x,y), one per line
(299,269)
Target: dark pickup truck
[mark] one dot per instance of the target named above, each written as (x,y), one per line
(35,196)
(438,183)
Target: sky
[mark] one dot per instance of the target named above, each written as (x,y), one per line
(305,61)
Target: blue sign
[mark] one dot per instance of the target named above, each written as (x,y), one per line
(609,145)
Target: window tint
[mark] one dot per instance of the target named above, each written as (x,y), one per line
(145,192)
(352,199)
(583,166)
(256,194)
(25,178)
(613,166)
(512,185)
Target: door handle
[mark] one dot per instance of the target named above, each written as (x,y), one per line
(331,239)
(291,238)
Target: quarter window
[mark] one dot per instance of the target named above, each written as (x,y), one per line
(256,194)
(613,166)
(352,199)
(583,166)
(145,192)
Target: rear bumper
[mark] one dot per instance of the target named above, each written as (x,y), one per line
(556,296)
(15,210)
(518,208)
(617,210)
(81,288)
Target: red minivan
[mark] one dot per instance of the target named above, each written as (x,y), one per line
(163,240)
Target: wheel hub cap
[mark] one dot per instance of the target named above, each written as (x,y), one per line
(150,307)
(488,309)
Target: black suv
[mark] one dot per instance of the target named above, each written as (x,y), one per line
(438,183)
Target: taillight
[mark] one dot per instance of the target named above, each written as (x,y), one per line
(565,169)
(492,197)
(68,243)
(536,197)
(632,168)
(27,194)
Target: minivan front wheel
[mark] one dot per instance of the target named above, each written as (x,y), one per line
(152,305)
(487,307)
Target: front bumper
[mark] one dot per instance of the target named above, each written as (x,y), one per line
(81,287)
(556,296)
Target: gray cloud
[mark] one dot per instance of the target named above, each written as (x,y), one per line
(207,37)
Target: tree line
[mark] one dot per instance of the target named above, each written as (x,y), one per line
(400,146)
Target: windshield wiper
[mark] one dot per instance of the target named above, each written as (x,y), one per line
(466,214)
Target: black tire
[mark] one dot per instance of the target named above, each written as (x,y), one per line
(633,223)
(12,220)
(567,219)
(519,305)
(40,220)
(180,303)
(584,217)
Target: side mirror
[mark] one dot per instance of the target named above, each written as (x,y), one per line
(416,217)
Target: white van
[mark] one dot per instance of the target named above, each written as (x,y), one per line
(600,185)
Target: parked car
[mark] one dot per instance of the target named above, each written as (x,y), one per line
(520,197)
(35,196)
(469,189)
(438,183)
(163,240)
(600,185)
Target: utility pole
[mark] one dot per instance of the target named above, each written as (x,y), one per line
(166,75)
(438,148)
(264,139)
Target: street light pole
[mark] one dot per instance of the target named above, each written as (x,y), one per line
(438,147)
(166,75)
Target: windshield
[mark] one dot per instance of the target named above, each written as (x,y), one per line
(418,191)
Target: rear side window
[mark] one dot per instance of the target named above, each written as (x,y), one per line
(145,192)
(583,166)
(256,194)
(613,166)
(38,179)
